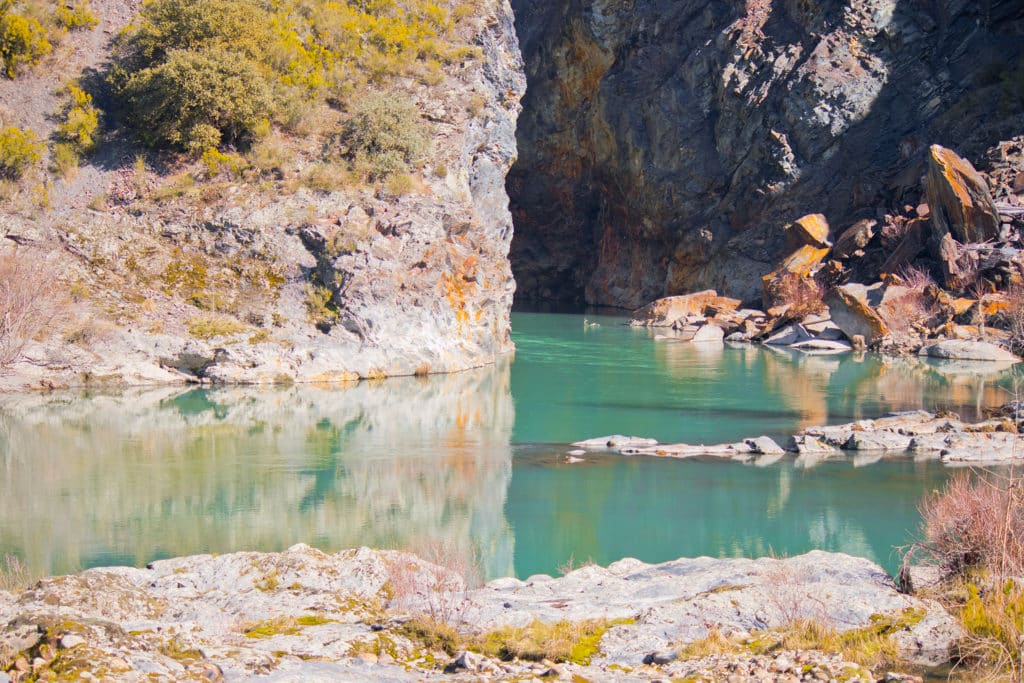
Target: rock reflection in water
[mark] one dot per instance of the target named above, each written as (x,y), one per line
(101,479)
(611,507)
(829,389)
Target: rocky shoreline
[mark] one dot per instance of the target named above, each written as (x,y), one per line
(919,434)
(304,615)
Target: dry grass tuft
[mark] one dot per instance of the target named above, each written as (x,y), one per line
(15,576)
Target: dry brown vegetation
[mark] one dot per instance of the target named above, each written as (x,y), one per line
(30,302)
(15,575)
(904,312)
(973,530)
(975,522)
(804,295)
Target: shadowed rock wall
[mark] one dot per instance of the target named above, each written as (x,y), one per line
(664,144)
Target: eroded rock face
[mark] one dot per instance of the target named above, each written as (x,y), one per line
(665,145)
(307,286)
(304,615)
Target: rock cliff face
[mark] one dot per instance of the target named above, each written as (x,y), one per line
(665,144)
(177,277)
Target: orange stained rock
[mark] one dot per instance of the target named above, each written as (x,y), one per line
(959,199)
(811,230)
(867,314)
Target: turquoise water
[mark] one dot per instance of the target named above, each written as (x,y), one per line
(473,464)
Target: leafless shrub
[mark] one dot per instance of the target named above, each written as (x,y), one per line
(974,522)
(803,295)
(572,565)
(29,302)
(435,590)
(904,312)
(789,598)
(1014,316)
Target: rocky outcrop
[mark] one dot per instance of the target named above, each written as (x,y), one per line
(958,198)
(924,435)
(305,615)
(230,282)
(664,146)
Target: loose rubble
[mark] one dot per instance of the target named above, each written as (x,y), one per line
(945,279)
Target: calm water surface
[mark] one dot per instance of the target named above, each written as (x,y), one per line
(476,461)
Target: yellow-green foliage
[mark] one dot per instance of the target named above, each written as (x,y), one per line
(307,51)
(433,634)
(994,621)
(75,15)
(19,149)
(23,40)
(81,120)
(320,304)
(218,163)
(563,641)
(869,646)
(284,626)
(196,99)
(209,326)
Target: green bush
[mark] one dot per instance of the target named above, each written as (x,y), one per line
(384,135)
(164,26)
(76,15)
(198,99)
(23,41)
(19,149)
(81,121)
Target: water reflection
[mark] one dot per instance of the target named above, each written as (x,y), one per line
(100,479)
(655,509)
(89,479)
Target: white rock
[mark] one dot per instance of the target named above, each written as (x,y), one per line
(962,349)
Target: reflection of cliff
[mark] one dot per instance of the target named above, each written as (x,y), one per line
(815,390)
(125,478)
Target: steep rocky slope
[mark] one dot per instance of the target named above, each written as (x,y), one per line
(173,270)
(664,145)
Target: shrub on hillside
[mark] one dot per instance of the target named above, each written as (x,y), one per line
(23,40)
(81,121)
(384,135)
(198,99)
(164,26)
(76,15)
(19,149)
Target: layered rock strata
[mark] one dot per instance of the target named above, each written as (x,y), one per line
(665,145)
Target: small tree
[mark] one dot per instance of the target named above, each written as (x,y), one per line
(198,99)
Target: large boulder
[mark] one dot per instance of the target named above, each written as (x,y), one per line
(810,230)
(963,349)
(959,199)
(852,311)
(668,310)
